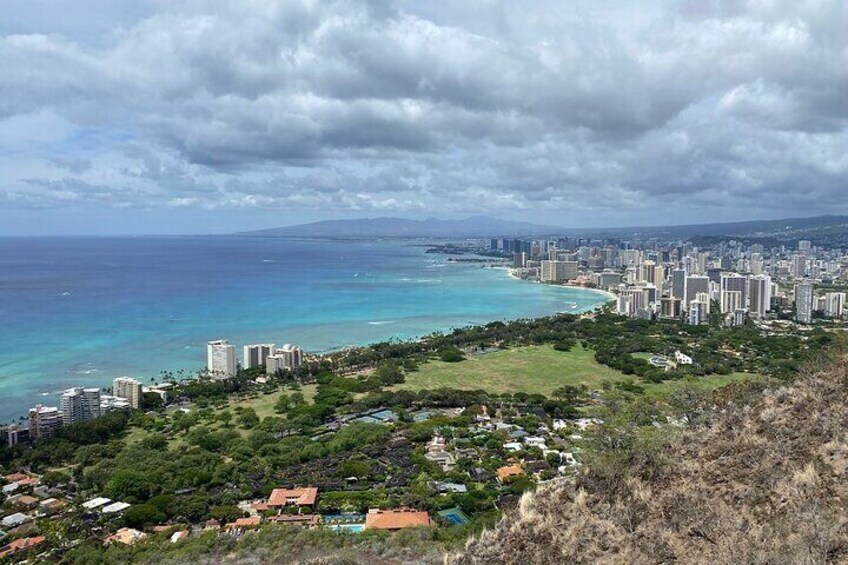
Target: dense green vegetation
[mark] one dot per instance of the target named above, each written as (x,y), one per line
(235,440)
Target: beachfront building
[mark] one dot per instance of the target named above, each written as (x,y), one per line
(109,403)
(288,357)
(221,359)
(255,355)
(80,404)
(44,421)
(128,388)
(558,271)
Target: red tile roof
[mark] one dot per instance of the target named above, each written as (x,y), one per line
(20,544)
(396,519)
(246,522)
(298,496)
(15,477)
(510,471)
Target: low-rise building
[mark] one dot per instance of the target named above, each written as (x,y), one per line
(393,520)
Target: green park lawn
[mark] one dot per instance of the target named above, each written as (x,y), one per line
(536,369)
(540,369)
(264,403)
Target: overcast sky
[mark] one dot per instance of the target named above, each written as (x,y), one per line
(163,116)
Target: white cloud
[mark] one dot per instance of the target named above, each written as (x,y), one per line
(587,108)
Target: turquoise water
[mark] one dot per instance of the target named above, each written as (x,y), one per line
(81,311)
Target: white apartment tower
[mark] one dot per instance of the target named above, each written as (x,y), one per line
(287,357)
(256,355)
(834,304)
(129,389)
(80,404)
(804,299)
(221,359)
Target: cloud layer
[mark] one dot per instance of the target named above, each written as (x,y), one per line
(585,113)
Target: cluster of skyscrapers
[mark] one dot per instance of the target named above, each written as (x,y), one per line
(222,363)
(677,280)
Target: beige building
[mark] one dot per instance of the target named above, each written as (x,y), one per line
(128,388)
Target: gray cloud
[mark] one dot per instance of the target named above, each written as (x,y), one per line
(629,113)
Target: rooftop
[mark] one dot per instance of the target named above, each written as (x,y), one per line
(396,519)
(299,496)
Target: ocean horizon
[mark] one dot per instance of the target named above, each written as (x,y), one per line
(80,311)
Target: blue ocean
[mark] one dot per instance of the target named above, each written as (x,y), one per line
(81,311)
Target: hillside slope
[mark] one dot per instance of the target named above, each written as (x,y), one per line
(762,483)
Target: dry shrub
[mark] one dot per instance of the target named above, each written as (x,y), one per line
(765,482)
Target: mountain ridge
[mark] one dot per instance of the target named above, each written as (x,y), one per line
(483,226)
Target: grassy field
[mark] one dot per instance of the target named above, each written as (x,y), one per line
(708,382)
(264,403)
(527,369)
(541,370)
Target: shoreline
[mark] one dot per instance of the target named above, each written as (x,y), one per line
(49,389)
(511,271)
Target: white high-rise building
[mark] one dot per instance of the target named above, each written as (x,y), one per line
(129,389)
(804,299)
(834,304)
(80,404)
(221,359)
(287,357)
(255,355)
(799,266)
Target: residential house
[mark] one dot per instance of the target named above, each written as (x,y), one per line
(126,536)
(393,520)
(300,497)
(509,472)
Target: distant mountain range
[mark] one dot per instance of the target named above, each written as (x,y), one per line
(482,226)
(474,226)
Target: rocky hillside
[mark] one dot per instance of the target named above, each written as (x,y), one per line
(764,481)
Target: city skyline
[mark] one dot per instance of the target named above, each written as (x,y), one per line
(201,117)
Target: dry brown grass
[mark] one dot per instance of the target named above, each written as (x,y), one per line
(765,483)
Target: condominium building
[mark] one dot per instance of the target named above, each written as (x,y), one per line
(606,279)
(695,285)
(44,421)
(834,304)
(557,271)
(678,284)
(256,354)
(128,388)
(804,299)
(288,357)
(734,292)
(759,301)
(79,404)
(221,359)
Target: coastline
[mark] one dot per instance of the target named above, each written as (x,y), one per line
(124,323)
(511,271)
